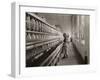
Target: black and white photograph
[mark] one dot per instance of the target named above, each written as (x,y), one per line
(55,39)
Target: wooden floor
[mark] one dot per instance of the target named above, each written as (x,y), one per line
(72,57)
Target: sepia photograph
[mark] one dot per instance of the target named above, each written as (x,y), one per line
(55,39)
(52,40)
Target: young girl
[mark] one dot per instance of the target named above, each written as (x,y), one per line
(64,48)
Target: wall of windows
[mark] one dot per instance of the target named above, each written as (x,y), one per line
(80,33)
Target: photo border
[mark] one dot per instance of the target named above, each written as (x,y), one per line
(18,70)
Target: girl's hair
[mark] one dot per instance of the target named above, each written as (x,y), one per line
(65,35)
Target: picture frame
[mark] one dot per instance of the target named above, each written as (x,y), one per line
(18,68)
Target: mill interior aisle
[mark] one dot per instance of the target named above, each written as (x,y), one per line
(72,58)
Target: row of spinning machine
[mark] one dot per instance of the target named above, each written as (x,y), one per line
(43,42)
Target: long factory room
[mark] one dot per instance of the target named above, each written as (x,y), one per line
(54,39)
